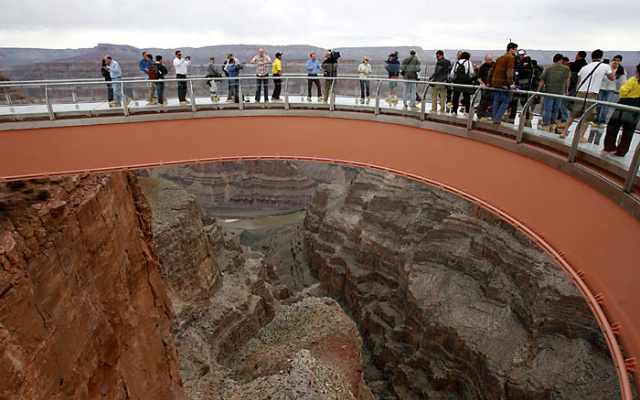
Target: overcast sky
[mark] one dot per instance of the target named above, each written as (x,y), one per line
(477,24)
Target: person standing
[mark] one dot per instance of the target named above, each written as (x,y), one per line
(330,70)
(610,90)
(104,70)
(143,65)
(502,79)
(276,71)
(409,69)
(262,62)
(392,66)
(152,75)
(161,73)
(441,74)
(212,72)
(627,120)
(312,68)
(233,71)
(462,74)
(590,80)
(575,67)
(484,78)
(364,70)
(554,80)
(116,77)
(181,65)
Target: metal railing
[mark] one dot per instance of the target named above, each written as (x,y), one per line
(343,94)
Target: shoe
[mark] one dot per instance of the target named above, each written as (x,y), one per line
(368,101)
(228,101)
(361,101)
(308,99)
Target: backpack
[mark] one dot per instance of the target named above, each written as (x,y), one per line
(460,75)
(153,72)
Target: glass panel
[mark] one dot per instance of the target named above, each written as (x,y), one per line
(23,100)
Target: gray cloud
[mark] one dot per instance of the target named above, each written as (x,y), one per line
(541,24)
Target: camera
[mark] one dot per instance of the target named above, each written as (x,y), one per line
(335,54)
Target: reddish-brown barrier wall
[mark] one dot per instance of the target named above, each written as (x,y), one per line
(593,237)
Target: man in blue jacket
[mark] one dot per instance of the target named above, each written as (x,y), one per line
(312,67)
(143,66)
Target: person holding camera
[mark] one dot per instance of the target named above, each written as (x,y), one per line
(330,69)
(409,70)
(262,62)
(181,65)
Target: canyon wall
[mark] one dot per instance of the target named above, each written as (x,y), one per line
(238,341)
(452,302)
(83,309)
(242,188)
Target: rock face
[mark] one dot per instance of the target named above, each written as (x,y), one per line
(451,302)
(261,187)
(219,355)
(310,350)
(83,309)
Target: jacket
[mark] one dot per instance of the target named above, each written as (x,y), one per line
(144,65)
(232,69)
(393,67)
(441,74)
(410,68)
(105,73)
(161,70)
(330,67)
(212,72)
(312,67)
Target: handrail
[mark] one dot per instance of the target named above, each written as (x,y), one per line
(573,150)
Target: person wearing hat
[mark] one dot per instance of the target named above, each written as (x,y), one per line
(276,71)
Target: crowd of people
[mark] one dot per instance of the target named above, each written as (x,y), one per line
(507,79)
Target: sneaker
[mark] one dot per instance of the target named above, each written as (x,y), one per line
(308,99)
(368,100)
(361,101)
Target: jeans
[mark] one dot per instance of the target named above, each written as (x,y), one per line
(563,112)
(234,90)
(310,82)
(501,101)
(182,88)
(628,125)
(466,100)
(151,91)
(160,91)
(277,87)
(603,111)
(117,89)
(262,82)
(551,113)
(410,93)
(364,89)
(109,91)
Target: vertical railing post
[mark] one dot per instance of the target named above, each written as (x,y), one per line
(634,168)
(376,110)
(240,96)
(332,95)
(573,151)
(74,97)
(47,99)
(125,103)
(523,118)
(194,107)
(423,103)
(286,93)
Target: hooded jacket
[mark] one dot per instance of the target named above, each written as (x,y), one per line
(410,67)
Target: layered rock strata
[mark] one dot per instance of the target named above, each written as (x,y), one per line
(452,302)
(83,309)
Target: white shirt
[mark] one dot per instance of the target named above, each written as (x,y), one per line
(593,83)
(181,65)
(613,85)
(364,70)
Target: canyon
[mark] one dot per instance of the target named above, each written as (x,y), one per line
(281,280)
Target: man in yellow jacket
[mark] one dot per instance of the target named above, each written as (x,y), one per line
(628,120)
(276,71)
